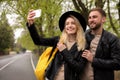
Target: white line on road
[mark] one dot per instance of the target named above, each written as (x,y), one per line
(10,62)
(7,64)
(32,62)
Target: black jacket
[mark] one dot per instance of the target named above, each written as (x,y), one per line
(107,57)
(74,64)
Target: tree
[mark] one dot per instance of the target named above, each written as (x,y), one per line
(112,9)
(26,42)
(47,24)
(6,35)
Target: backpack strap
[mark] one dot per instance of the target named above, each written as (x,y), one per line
(54,47)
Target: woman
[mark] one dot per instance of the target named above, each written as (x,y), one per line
(68,63)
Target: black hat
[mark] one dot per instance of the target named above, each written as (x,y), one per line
(75,14)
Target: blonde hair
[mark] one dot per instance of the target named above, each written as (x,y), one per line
(80,35)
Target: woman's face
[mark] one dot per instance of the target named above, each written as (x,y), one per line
(70,26)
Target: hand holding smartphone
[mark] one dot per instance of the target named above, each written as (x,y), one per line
(37,13)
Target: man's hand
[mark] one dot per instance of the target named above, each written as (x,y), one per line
(88,55)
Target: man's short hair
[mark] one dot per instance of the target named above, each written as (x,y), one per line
(100,10)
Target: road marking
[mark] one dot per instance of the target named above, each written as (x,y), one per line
(10,62)
(7,64)
(32,62)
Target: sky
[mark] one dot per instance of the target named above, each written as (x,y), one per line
(11,21)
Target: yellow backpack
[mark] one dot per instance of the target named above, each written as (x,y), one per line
(43,63)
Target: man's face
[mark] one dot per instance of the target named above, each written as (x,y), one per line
(95,20)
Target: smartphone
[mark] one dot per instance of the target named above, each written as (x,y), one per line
(37,13)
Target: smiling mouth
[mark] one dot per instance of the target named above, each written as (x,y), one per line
(92,24)
(70,29)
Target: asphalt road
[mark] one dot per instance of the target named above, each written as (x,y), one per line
(17,67)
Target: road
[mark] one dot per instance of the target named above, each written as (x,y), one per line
(17,67)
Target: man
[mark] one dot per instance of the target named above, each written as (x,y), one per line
(104,49)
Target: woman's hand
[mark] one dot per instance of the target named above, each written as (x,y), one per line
(30,18)
(61,46)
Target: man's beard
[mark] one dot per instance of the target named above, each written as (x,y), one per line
(96,27)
